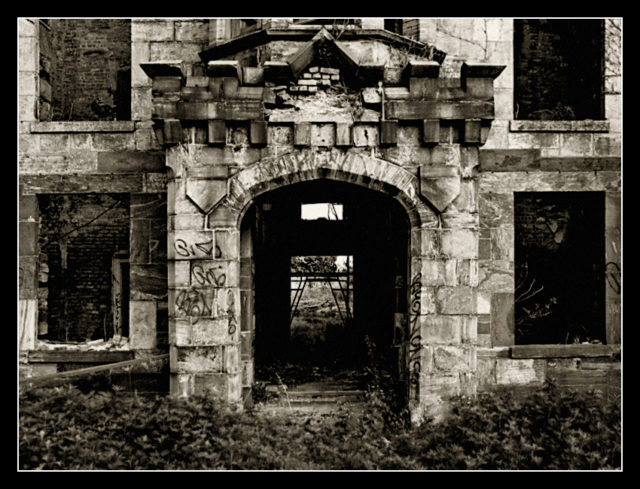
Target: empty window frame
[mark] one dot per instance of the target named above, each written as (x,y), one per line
(559,267)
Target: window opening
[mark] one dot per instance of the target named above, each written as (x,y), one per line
(328,211)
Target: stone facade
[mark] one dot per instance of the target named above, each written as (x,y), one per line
(217,123)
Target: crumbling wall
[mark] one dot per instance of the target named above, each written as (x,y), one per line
(79,236)
(88,62)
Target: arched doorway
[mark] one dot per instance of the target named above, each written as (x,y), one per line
(352,287)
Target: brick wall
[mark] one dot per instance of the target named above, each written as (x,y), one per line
(558,69)
(75,267)
(89,68)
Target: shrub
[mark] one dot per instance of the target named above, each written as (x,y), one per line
(64,428)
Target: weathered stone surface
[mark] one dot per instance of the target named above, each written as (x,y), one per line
(460,243)
(226,243)
(502,243)
(206,193)
(129,161)
(454,359)
(502,319)
(439,272)
(519,372)
(142,324)
(187,245)
(496,160)
(28,238)
(27,327)
(204,332)
(496,209)
(442,190)
(456,300)
(495,276)
(28,276)
(148,282)
(217,273)
(563,351)
(436,329)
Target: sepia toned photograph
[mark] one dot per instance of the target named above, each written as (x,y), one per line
(319,244)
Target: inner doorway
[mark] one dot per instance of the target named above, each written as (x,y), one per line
(348,245)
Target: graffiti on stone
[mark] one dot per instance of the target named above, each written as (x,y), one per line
(196,249)
(193,302)
(415,338)
(613,274)
(208,276)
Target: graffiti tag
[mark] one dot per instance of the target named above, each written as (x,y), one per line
(189,250)
(613,274)
(415,338)
(208,276)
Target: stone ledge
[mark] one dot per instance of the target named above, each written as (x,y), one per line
(83,126)
(564,351)
(559,126)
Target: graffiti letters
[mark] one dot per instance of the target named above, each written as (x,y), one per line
(613,274)
(231,314)
(208,276)
(193,302)
(415,338)
(204,248)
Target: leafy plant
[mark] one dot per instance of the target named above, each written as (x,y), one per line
(62,428)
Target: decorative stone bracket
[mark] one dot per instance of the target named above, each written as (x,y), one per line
(230,92)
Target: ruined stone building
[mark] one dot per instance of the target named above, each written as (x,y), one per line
(163,164)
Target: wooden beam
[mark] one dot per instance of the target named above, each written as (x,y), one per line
(90,370)
(67,356)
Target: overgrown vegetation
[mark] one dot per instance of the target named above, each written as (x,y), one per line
(64,428)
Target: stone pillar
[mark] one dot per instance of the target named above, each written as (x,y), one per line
(613,267)
(147,267)
(204,286)
(28,272)
(28,69)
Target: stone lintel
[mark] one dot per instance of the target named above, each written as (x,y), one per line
(435,109)
(84,126)
(558,126)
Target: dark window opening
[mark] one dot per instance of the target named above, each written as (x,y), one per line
(393,25)
(85,70)
(559,268)
(559,69)
(84,275)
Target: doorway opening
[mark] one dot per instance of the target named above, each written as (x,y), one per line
(329,263)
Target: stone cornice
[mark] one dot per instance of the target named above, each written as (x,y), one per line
(306,33)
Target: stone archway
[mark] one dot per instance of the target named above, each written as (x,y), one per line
(211,297)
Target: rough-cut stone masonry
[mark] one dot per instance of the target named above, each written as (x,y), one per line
(426,122)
